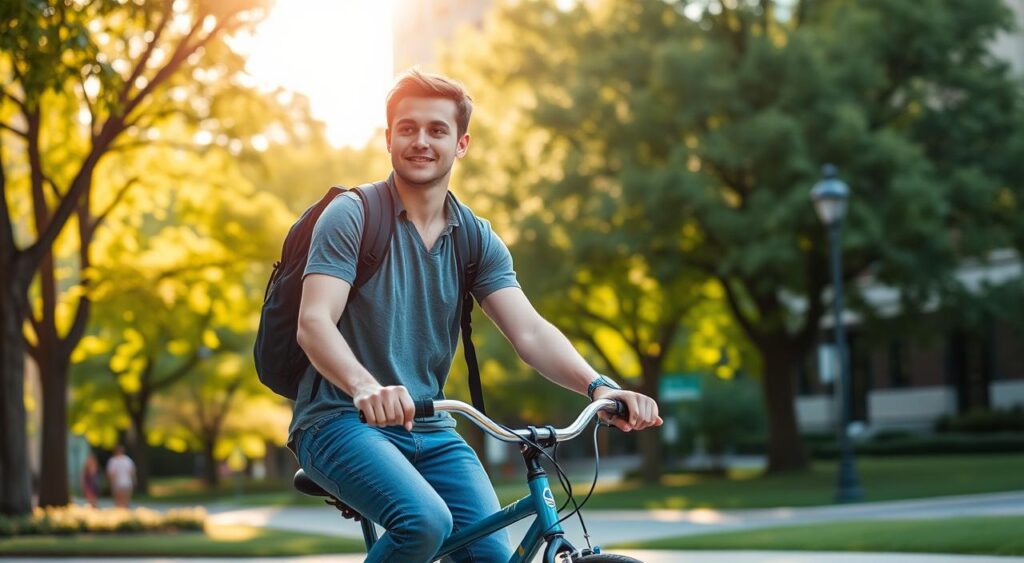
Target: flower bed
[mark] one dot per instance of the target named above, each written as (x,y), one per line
(74,519)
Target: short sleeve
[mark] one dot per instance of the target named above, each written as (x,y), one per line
(334,248)
(495,271)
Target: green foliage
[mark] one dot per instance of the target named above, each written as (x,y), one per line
(726,411)
(984,421)
(637,151)
(75,519)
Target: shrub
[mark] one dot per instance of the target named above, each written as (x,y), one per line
(984,421)
(936,444)
(73,519)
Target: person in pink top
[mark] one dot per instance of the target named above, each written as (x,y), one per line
(121,475)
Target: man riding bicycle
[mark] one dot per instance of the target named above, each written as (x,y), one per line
(395,338)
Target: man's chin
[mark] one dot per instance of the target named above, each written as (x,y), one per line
(420,177)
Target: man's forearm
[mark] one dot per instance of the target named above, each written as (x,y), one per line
(549,352)
(331,355)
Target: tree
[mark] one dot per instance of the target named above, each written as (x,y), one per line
(179,276)
(103,61)
(685,136)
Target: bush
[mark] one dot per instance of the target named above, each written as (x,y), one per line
(73,519)
(728,412)
(984,421)
(936,444)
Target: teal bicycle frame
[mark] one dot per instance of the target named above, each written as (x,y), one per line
(540,502)
(545,527)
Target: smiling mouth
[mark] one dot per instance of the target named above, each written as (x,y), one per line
(420,159)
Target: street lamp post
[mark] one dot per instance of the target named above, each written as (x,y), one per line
(830,196)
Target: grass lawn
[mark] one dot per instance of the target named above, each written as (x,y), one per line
(881,479)
(217,541)
(980,535)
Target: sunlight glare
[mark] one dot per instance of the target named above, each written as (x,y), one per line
(338,53)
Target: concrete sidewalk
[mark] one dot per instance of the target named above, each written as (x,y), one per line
(609,527)
(645,556)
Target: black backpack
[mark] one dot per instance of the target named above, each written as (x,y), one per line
(280,361)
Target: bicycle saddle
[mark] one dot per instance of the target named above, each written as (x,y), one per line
(307,486)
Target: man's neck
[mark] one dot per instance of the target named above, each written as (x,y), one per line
(424,204)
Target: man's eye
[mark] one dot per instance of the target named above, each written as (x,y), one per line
(438,131)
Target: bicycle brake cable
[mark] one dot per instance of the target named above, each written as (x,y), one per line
(563,478)
(579,508)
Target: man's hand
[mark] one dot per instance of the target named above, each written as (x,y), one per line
(385,406)
(643,411)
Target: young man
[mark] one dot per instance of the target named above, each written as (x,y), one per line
(396,339)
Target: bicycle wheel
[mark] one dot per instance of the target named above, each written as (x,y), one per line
(607,558)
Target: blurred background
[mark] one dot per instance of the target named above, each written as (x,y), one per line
(650,165)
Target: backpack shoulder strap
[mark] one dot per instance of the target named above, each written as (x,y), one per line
(468,244)
(378,226)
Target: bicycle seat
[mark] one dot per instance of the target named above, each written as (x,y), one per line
(307,486)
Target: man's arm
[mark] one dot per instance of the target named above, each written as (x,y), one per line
(541,345)
(323,301)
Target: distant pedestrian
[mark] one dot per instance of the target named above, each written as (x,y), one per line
(90,479)
(121,475)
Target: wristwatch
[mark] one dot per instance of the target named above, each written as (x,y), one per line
(601,381)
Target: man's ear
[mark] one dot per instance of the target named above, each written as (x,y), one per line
(387,139)
(462,146)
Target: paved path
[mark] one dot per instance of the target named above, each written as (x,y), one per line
(635,525)
(645,556)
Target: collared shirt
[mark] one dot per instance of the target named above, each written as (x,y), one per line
(403,324)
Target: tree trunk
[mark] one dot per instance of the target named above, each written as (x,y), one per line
(15,476)
(477,440)
(211,475)
(785,448)
(650,439)
(138,452)
(53,480)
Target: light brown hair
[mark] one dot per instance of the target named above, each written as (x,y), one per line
(415,84)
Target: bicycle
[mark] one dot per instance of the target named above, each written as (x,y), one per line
(546,528)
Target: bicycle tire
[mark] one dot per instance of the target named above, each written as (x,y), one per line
(607,558)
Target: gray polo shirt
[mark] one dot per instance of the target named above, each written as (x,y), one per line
(403,324)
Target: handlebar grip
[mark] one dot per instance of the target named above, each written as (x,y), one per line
(424,408)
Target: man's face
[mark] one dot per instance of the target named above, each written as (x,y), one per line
(423,140)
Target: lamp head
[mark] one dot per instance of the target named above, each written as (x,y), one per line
(829,196)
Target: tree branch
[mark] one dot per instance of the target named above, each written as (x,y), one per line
(8,249)
(20,103)
(18,132)
(177,373)
(90,106)
(181,53)
(589,339)
(102,216)
(737,311)
(140,65)
(54,188)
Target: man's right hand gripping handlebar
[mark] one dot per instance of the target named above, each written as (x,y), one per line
(386,405)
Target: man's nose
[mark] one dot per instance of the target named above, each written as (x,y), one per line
(421,138)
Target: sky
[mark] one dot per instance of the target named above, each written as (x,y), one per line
(336,52)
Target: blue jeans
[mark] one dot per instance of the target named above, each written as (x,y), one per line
(420,486)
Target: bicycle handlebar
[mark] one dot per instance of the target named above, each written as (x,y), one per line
(427,407)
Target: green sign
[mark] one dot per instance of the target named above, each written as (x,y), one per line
(679,387)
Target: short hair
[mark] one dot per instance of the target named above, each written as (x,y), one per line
(415,84)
